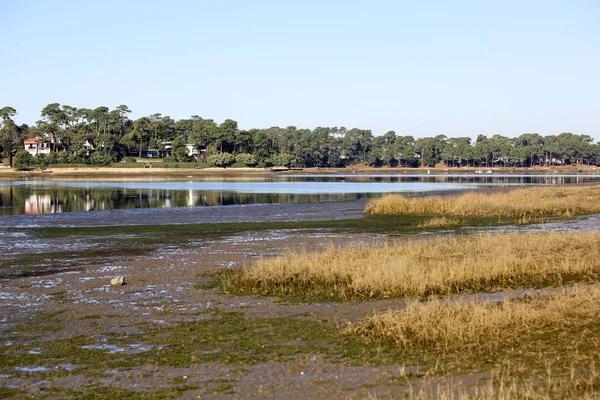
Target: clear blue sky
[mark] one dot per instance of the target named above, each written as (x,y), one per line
(417,67)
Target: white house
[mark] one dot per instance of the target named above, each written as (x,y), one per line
(88,147)
(35,146)
(195,151)
(192,150)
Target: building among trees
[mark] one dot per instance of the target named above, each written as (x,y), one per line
(35,146)
(101,136)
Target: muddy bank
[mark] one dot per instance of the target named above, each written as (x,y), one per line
(71,334)
(170,332)
(162,293)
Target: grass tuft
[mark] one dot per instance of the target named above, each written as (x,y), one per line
(439,222)
(528,202)
(541,347)
(476,327)
(424,268)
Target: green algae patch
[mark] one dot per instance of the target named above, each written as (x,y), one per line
(222,337)
(37,328)
(232,338)
(153,233)
(97,392)
(50,263)
(6,393)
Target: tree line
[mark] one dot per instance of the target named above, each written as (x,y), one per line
(102,136)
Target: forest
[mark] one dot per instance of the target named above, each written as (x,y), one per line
(103,136)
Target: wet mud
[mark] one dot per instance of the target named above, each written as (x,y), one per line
(168,288)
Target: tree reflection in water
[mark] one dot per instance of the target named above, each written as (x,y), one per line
(48,197)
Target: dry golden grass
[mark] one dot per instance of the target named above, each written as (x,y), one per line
(583,382)
(439,222)
(533,202)
(512,388)
(423,268)
(476,327)
(549,344)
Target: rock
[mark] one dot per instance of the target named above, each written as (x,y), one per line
(118,281)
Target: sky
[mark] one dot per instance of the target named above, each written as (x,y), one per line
(421,68)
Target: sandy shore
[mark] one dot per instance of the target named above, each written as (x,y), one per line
(158,172)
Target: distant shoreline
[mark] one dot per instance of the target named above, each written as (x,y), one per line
(158,172)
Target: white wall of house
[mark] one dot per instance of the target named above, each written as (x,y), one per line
(192,150)
(37,148)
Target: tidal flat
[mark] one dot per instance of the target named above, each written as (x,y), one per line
(174,331)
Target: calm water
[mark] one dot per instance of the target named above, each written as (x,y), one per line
(54,196)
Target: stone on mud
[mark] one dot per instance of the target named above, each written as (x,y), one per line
(118,281)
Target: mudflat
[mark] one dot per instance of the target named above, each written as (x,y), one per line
(172,331)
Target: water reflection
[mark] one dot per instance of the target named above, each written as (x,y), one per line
(41,204)
(491,179)
(47,197)
(16,200)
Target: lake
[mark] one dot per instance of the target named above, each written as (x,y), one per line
(59,196)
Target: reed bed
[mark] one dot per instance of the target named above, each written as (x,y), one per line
(423,268)
(476,327)
(530,202)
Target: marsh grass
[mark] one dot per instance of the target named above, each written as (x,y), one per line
(476,327)
(542,347)
(440,222)
(575,380)
(424,268)
(508,383)
(518,203)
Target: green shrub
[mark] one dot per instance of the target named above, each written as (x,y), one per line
(100,159)
(248,160)
(221,160)
(282,160)
(180,151)
(22,160)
